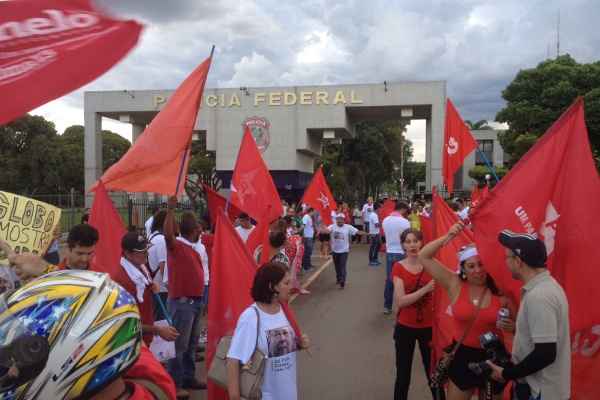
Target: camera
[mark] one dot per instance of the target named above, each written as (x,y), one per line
(496,353)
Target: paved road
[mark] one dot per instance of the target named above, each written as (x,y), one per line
(353,349)
(353,354)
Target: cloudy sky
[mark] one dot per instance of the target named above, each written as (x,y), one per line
(476,45)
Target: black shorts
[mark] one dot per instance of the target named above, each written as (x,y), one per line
(460,374)
(324,237)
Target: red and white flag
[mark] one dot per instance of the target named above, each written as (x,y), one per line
(458,144)
(252,187)
(49,48)
(318,196)
(553,193)
(158,161)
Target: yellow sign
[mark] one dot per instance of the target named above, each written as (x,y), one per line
(27,225)
(275,99)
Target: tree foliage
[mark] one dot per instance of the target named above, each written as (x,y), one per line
(34,159)
(482,124)
(369,163)
(538,96)
(479,172)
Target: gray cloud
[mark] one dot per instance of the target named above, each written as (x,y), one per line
(478,46)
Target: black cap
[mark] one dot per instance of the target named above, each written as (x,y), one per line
(243,215)
(528,248)
(134,242)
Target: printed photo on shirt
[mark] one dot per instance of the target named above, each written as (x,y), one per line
(281,341)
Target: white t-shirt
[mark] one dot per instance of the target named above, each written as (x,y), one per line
(365,211)
(148,226)
(157,253)
(309,229)
(393,226)
(243,232)
(201,250)
(277,341)
(340,237)
(373,223)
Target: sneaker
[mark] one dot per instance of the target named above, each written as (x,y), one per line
(342,285)
(182,393)
(387,311)
(373,264)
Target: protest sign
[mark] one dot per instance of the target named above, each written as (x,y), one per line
(27,225)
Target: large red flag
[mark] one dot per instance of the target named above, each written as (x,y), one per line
(230,283)
(218,203)
(443,218)
(157,162)
(105,218)
(252,187)
(458,143)
(553,192)
(50,47)
(318,196)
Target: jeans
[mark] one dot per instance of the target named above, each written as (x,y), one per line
(374,249)
(388,291)
(367,230)
(339,261)
(308,249)
(405,339)
(185,312)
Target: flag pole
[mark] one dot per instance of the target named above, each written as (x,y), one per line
(188,149)
(488,164)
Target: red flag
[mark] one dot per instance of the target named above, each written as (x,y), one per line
(562,208)
(475,194)
(386,209)
(256,240)
(318,196)
(443,218)
(231,280)
(157,162)
(105,218)
(252,187)
(50,47)
(426,228)
(218,203)
(458,143)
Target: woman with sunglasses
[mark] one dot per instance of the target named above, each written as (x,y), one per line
(412,293)
(475,304)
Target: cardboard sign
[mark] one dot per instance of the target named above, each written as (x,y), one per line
(27,225)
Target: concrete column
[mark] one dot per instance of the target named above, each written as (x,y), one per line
(136,131)
(92,152)
(428,158)
(435,132)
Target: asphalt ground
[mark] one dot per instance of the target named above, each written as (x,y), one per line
(352,354)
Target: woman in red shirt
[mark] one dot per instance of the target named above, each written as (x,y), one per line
(412,292)
(471,288)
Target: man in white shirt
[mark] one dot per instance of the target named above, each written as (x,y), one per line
(393,226)
(157,261)
(245,227)
(148,224)
(365,214)
(340,246)
(308,234)
(374,237)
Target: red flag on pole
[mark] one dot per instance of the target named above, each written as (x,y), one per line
(318,196)
(50,47)
(553,192)
(218,203)
(105,218)
(458,143)
(252,187)
(157,162)
(230,283)
(443,218)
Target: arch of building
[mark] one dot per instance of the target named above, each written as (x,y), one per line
(289,123)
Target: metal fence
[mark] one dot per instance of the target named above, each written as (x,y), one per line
(134,209)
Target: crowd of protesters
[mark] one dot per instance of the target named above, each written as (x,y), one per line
(166,270)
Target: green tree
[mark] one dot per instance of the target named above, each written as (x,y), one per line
(538,96)
(479,172)
(482,124)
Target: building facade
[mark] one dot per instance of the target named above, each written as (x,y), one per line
(289,124)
